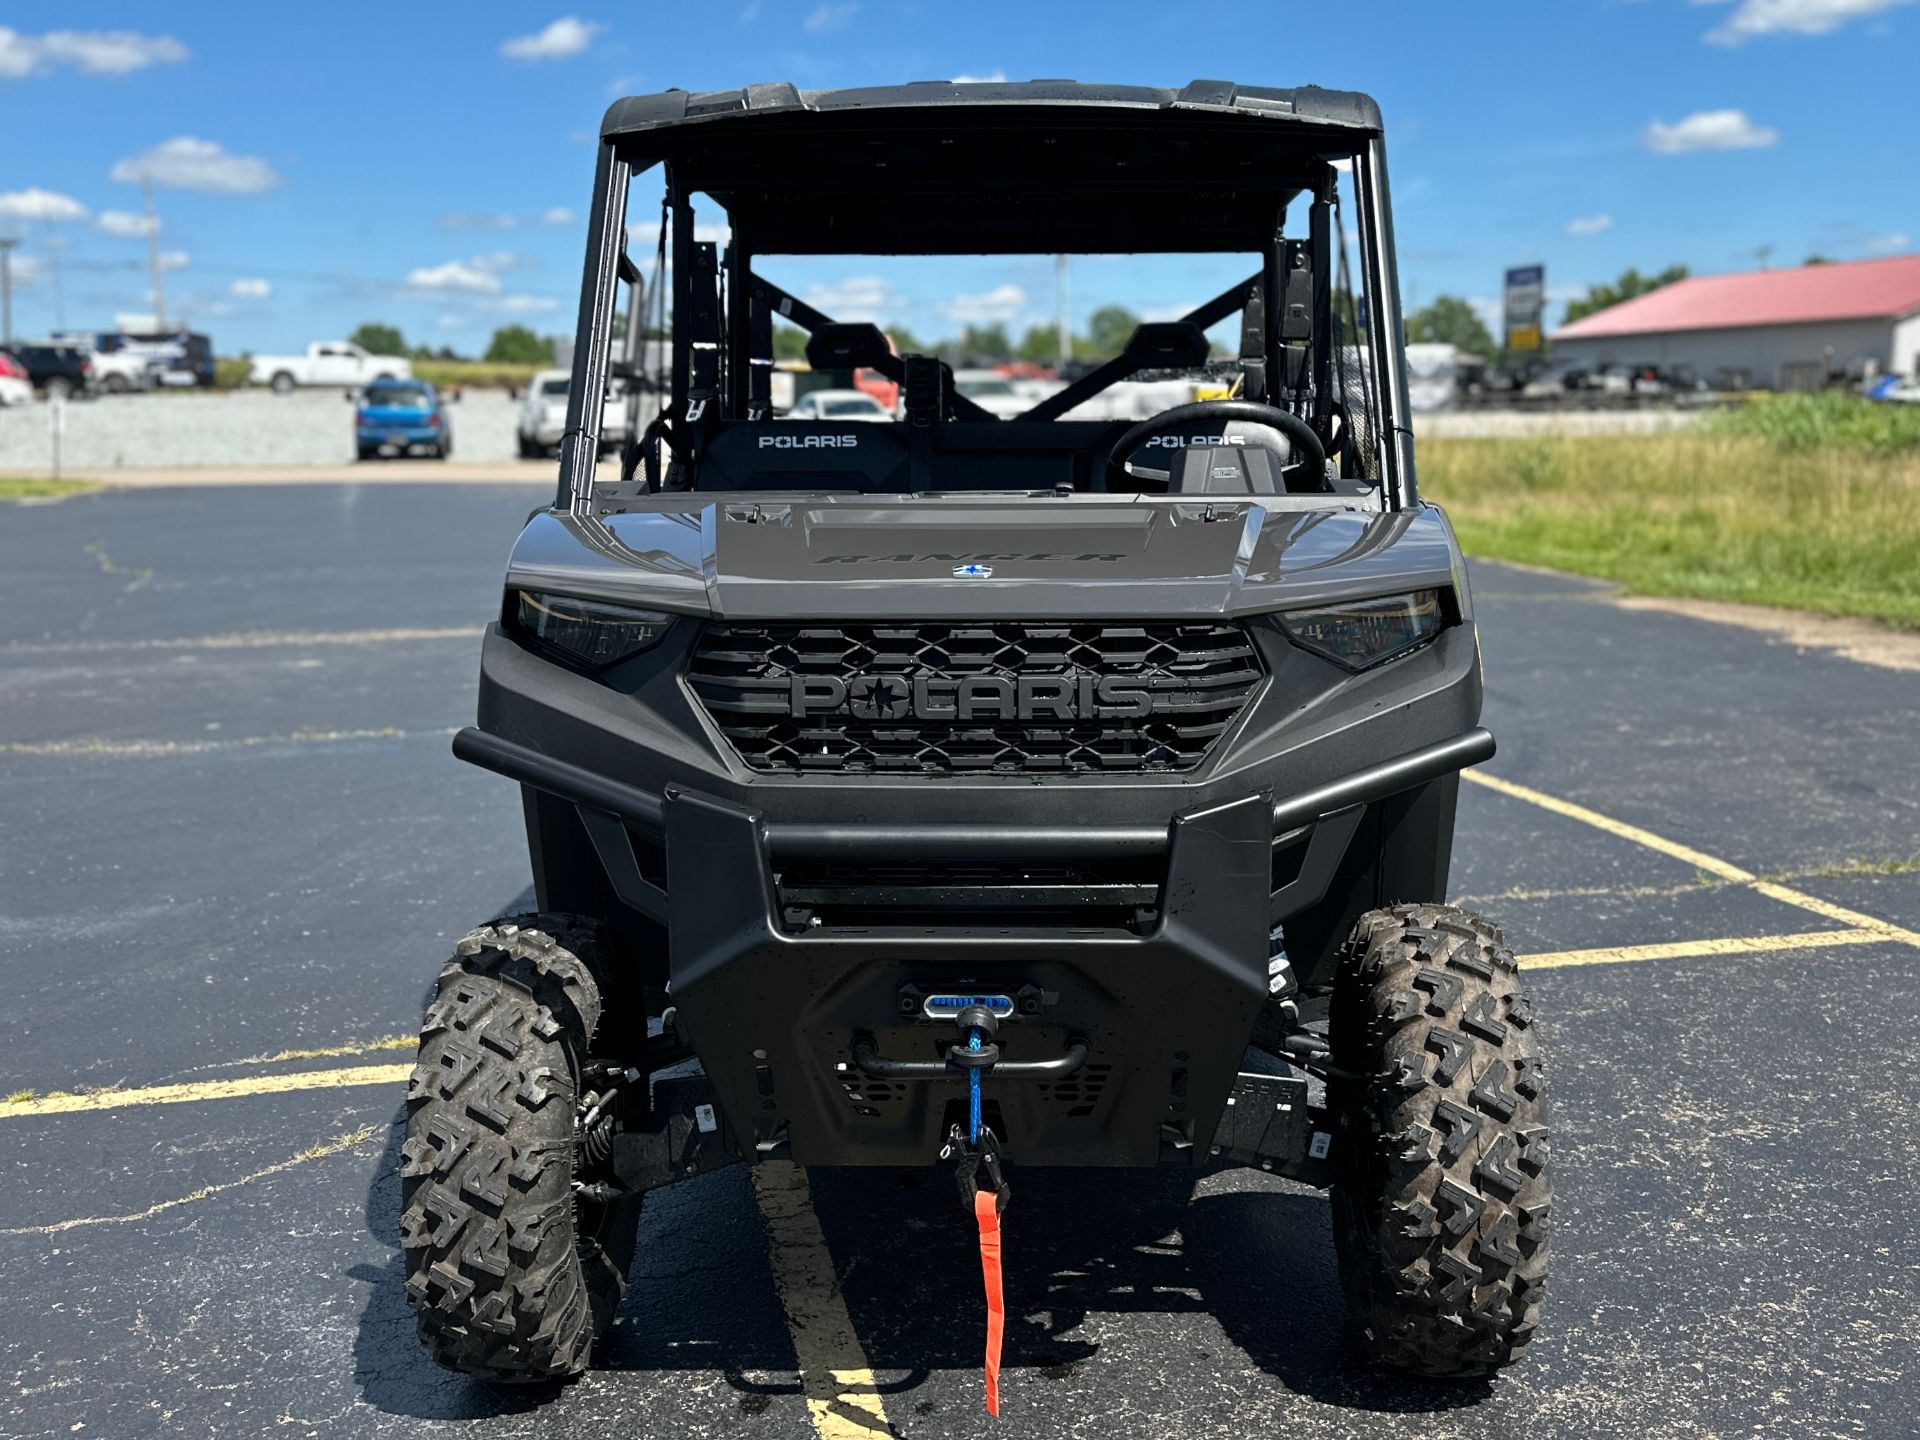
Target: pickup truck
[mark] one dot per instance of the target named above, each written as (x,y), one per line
(328,362)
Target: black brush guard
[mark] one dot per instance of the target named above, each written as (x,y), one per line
(780,1020)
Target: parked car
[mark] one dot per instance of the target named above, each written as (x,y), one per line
(839,405)
(402,415)
(57,371)
(119,372)
(991,391)
(328,362)
(15,387)
(543,414)
(172,358)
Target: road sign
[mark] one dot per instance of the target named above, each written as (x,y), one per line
(1525,306)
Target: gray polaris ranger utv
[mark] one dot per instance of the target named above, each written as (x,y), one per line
(1071,787)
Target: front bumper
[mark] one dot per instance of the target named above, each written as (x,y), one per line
(780,992)
(779,1018)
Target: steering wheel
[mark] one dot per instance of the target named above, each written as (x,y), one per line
(1307,449)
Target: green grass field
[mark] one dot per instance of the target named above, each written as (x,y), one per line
(1807,502)
(35,487)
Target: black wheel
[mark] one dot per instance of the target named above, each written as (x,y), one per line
(531,449)
(369,452)
(512,1270)
(282,383)
(1442,1196)
(117,385)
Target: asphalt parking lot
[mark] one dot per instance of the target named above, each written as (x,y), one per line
(235,849)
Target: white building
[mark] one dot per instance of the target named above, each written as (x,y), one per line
(1771,329)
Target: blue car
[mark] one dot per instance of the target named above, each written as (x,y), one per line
(401,415)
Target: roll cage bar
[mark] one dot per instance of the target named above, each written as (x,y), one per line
(724,359)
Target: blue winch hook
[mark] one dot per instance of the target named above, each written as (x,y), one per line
(973,1088)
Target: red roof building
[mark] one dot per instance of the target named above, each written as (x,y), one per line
(1792,329)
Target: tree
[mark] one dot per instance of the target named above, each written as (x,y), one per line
(1629,286)
(985,342)
(1816,259)
(1449,320)
(379,339)
(789,342)
(905,342)
(517,345)
(1041,344)
(1109,328)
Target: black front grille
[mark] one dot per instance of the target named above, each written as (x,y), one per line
(973,698)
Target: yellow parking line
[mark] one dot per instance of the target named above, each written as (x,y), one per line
(1700,860)
(207,1192)
(209,1090)
(842,1397)
(1681,949)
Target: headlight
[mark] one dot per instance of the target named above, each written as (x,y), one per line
(1358,634)
(594,633)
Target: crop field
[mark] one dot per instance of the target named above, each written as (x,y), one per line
(1812,503)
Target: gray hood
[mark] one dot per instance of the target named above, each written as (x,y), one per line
(990,557)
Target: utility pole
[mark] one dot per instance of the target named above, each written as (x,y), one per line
(153,254)
(1764,253)
(6,288)
(1065,331)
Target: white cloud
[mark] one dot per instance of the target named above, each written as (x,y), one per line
(997,77)
(1754,18)
(1161,314)
(525,304)
(645,239)
(187,163)
(125,223)
(174,259)
(456,276)
(37,204)
(565,37)
(1589,224)
(750,12)
(453,322)
(830,16)
(1891,243)
(250,289)
(1708,130)
(997,306)
(861,297)
(558,215)
(92,52)
(469,220)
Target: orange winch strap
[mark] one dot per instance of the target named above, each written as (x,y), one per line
(986,1210)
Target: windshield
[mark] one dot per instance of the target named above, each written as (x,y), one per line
(1239,280)
(555,387)
(978,388)
(397,396)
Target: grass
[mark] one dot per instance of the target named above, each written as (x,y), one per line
(1744,508)
(36,487)
(1816,422)
(455,373)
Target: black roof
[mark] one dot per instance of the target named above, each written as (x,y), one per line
(1309,103)
(1035,167)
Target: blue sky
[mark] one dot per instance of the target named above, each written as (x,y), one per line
(428,165)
